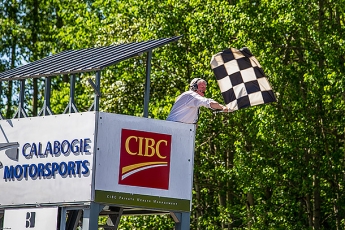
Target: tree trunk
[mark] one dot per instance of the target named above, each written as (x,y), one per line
(317,159)
(317,203)
(230,185)
(308,206)
(249,204)
(9,103)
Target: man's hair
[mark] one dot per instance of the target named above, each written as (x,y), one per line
(194,83)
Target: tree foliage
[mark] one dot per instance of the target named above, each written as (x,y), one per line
(277,166)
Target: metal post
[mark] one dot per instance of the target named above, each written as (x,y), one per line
(63,217)
(21,112)
(1,220)
(90,216)
(182,220)
(73,219)
(21,97)
(147,84)
(113,220)
(71,108)
(1,117)
(45,111)
(98,84)
(96,87)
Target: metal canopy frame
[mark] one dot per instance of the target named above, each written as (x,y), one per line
(72,62)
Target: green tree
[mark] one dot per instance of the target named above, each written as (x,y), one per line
(276,166)
(11,33)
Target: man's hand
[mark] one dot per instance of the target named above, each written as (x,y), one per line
(216,105)
(225,109)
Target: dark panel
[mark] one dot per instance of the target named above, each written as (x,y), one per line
(220,72)
(229,96)
(227,55)
(236,78)
(252,87)
(259,72)
(243,102)
(268,96)
(244,63)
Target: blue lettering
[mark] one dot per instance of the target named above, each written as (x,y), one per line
(8,173)
(71,167)
(85,166)
(63,168)
(25,168)
(49,172)
(48,149)
(40,170)
(81,145)
(25,147)
(74,146)
(63,145)
(39,152)
(46,169)
(55,168)
(78,166)
(33,150)
(56,147)
(18,171)
(86,145)
(32,170)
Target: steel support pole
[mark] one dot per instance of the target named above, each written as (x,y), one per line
(1,220)
(21,98)
(21,112)
(182,220)
(71,108)
(98,85)
(73,219)
(113,220)
(1,117)
(97,88)
(147,84)
(71,93)
(63,217)
(45,111)
(90,216)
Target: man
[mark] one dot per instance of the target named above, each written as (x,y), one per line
(186,107)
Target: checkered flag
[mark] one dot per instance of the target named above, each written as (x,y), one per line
(241,79)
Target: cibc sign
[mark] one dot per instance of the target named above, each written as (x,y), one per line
(145,159)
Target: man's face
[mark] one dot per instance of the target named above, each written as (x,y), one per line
(201,88)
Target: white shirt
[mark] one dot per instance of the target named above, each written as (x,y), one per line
(186,107)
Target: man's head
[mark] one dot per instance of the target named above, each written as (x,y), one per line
(198,85)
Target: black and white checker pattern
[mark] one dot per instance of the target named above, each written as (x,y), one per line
(241,79)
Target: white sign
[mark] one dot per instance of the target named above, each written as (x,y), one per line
(144,162)
(138,161)
(47,159)
(31,219)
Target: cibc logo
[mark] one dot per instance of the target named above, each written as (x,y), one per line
(145,159)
